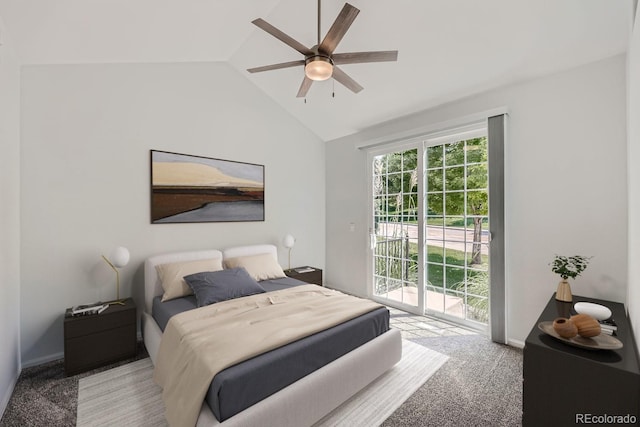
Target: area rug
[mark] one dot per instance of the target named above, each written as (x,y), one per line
(128,396)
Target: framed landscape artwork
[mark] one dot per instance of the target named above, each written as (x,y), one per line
(187,188)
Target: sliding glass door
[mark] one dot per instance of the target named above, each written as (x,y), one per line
(430,227)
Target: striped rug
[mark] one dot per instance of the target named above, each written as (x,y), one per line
(128,396)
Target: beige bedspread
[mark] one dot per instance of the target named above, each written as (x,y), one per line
(197,344)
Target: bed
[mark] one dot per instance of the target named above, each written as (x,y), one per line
(305,400)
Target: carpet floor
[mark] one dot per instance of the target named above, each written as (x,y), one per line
(45,397)
(128,395)
(480,385)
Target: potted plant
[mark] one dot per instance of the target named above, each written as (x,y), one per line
(566,267)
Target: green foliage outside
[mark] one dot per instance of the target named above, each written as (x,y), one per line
(478,297)
(457,182)
(455,221)
(396,186)
(402,270)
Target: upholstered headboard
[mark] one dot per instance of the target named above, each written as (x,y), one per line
(250,250)
(152,285)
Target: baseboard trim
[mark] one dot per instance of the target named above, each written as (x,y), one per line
(515,343)
(6,396)
(41,360)
(55,356)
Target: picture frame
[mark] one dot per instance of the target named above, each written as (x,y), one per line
(188,188)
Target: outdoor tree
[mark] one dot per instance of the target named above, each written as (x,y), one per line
(396,183)
(448,165)
(446,183)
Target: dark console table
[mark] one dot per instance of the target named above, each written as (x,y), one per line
(565,385)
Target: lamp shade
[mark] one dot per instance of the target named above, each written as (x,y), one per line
(318,68)
(120,257)
(288,241)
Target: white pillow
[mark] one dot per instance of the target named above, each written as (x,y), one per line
(259,267)
(172,275)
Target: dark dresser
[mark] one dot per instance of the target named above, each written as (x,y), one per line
(565,385)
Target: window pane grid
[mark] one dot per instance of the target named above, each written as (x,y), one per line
(395,254)
(456,196)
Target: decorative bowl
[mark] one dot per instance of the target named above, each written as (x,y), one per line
(599,342)
(597,311)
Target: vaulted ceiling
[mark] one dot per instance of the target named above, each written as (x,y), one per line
(448,49)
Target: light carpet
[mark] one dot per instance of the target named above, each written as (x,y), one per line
(480,385)
(127,395)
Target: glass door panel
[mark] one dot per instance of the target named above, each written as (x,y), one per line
(395,212)
(456,230)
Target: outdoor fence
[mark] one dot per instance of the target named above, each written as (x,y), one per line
(392,258)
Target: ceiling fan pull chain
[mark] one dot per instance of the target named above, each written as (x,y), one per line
(333,88)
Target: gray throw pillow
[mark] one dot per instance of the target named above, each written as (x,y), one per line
(215,286)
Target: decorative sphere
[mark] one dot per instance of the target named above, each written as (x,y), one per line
(288,241)
(587,326)
(565,327)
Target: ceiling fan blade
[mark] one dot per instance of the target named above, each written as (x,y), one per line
(304,87)
(342,77)
(338,29)
(360,57)
(276,66)
(261,23)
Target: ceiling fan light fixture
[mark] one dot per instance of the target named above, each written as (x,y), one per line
(318,67)
(319,59)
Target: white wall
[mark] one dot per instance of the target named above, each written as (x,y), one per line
(633,114)
(565,186)
(86,135)
(9,219)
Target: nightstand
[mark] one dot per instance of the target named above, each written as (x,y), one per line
(306,274)
(99,339)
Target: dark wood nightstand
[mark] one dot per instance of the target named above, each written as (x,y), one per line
(306,274)
(99,339)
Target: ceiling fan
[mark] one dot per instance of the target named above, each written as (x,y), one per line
(320,62)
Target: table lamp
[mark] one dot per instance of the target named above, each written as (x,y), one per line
(288,243)
(119,258)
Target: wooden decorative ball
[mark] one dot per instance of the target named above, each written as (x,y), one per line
(587,326)
(565,327)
